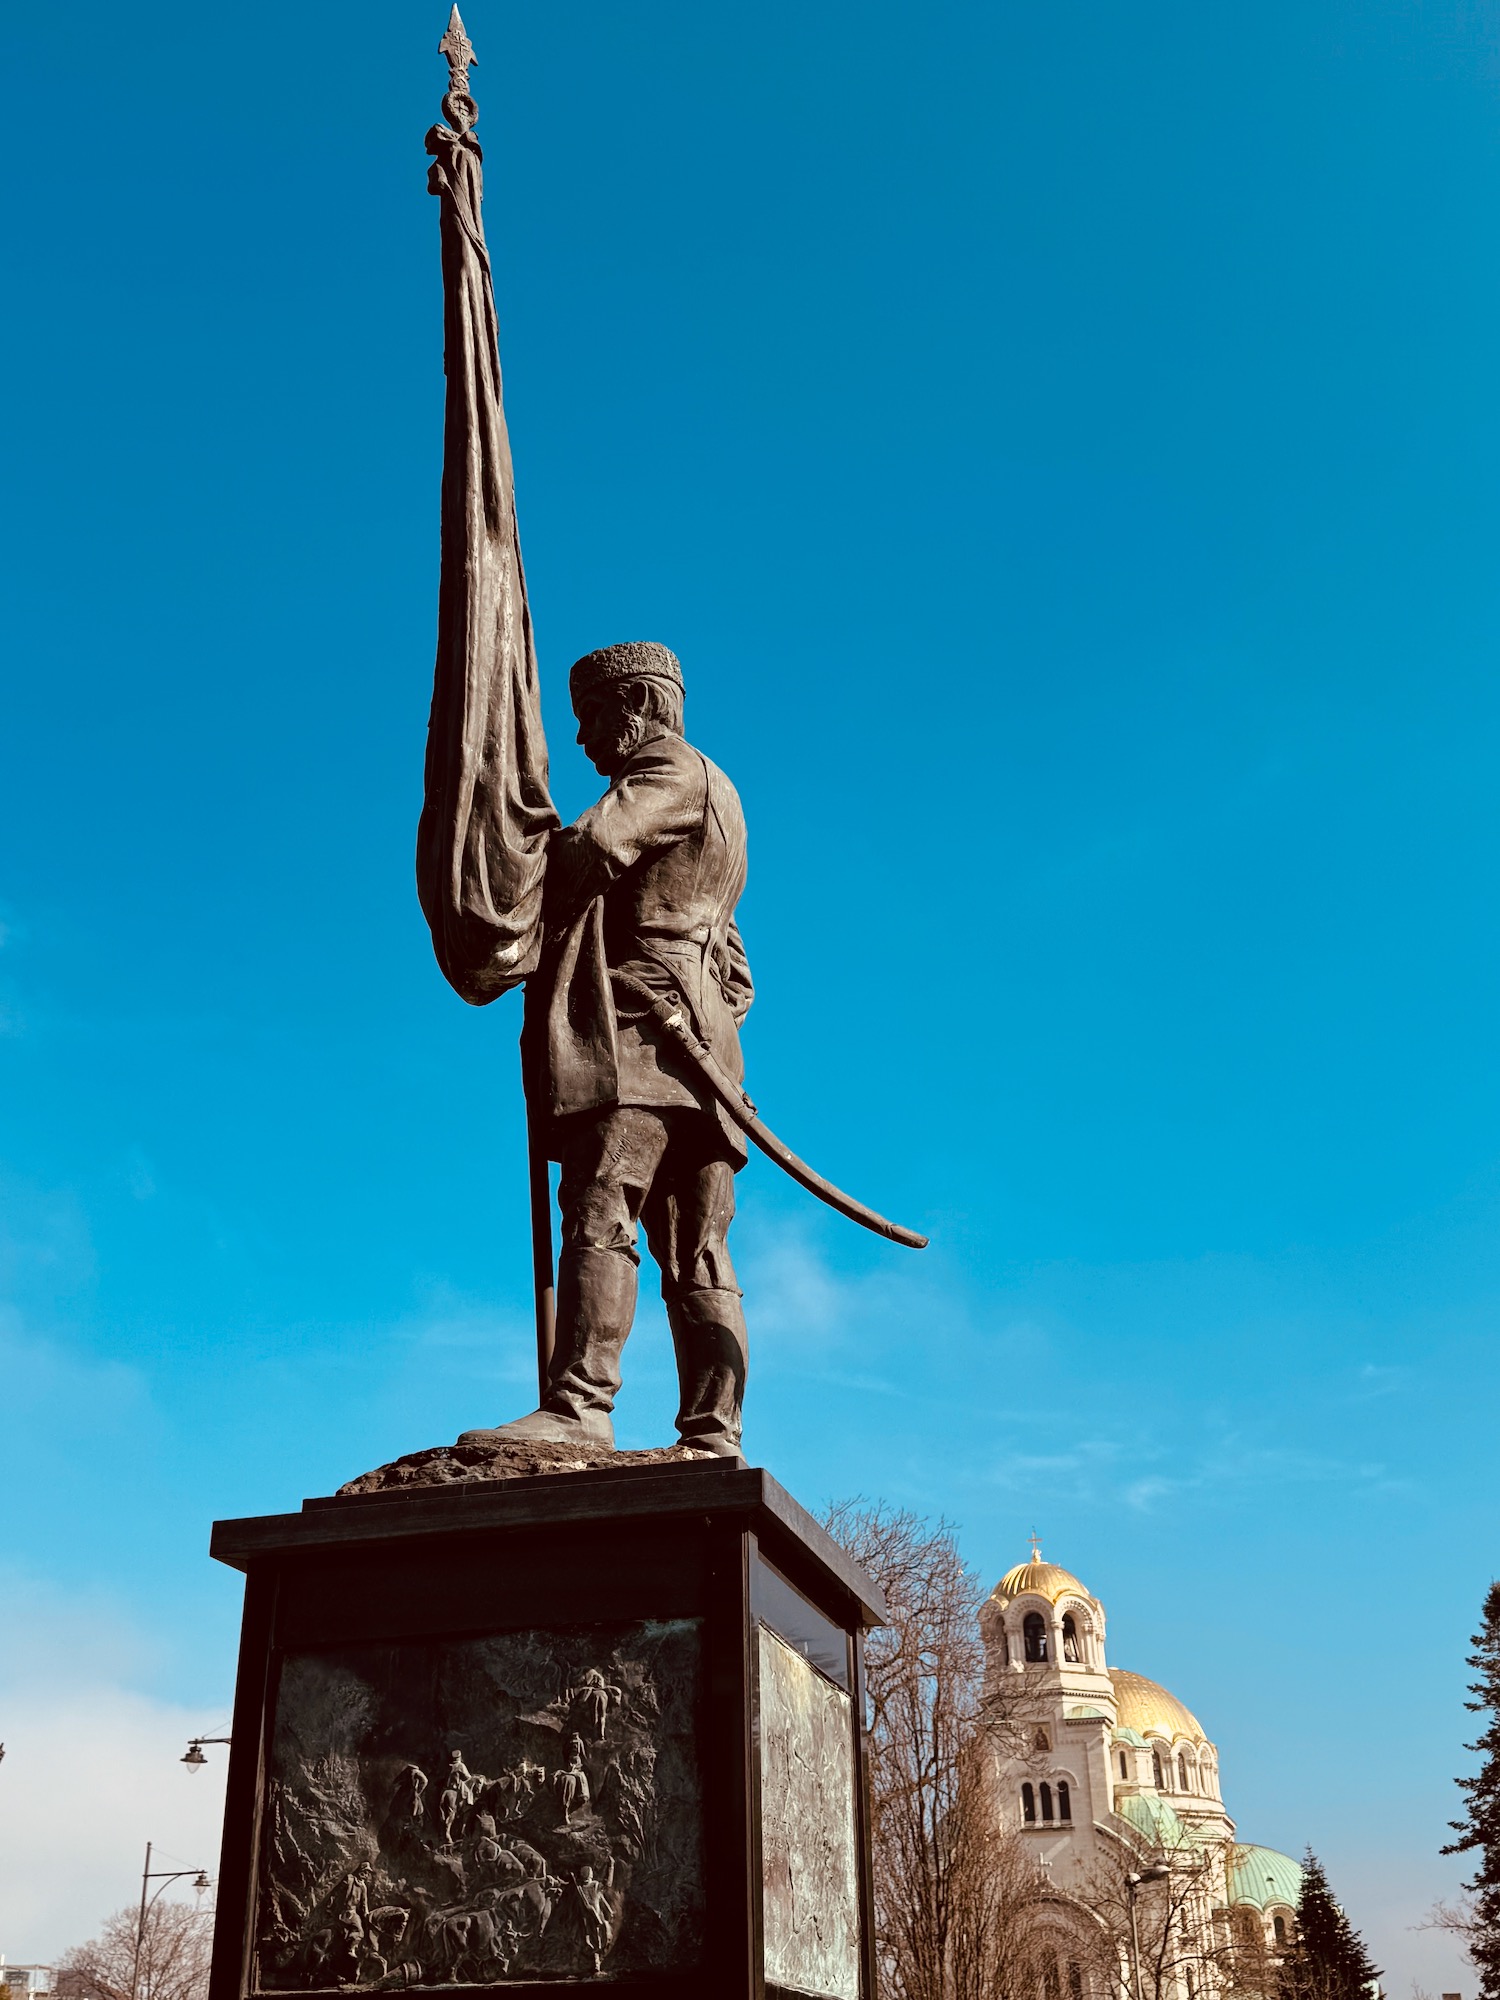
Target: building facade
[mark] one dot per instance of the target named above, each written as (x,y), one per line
(1104,1776)
(25,1982)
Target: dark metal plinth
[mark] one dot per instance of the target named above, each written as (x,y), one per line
(596,1728)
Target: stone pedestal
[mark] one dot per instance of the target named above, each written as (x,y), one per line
(597,1728)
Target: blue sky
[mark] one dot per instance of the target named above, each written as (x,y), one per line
(1064,447)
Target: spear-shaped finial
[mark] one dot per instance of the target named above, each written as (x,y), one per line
(459,108)
(459,50)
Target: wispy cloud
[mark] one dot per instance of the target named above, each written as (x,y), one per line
(1233,1464)
(1028,1420)
(45,1377)
(91,1770)
(796,1296)
(44,1240)
(1374,1380)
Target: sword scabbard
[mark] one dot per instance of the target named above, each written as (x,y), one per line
(669,1011)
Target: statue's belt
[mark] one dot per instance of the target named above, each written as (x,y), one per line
(670,1012)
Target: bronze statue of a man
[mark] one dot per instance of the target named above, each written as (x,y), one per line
(620,927)
(640,893)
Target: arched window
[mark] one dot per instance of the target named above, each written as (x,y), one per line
(1034,1633)
(1028,1805)
(1046,1800)
(1004,1645)
(1072,1650)
(1278,1924)
(1051,1988)
(1182,1774)
(1075,1980)
(1192,1983)
(1156,1771)
(1064,1800)
(1124,1766)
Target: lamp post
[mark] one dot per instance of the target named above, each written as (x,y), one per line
(195,1759)
(162,1876)
(1133,1881)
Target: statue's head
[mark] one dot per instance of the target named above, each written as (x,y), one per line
(623,696)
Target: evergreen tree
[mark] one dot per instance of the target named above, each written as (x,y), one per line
(1327,1960)
(1479,1829)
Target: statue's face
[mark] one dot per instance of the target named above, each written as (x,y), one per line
(609,724)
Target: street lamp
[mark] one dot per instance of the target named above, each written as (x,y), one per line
(163,1876)
(195,1759)
(1133,1881)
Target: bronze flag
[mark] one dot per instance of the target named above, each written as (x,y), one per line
(486,810)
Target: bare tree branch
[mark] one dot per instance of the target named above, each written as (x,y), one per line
(958,1900)
(176,1946)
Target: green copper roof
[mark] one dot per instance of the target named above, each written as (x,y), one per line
(1153,1817)
(1077,1714)
(1124,1735)
(1261,1876)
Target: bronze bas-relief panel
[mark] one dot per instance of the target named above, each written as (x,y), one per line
(526,1806)
(809,1854)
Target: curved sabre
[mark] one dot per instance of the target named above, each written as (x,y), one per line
(668,1013)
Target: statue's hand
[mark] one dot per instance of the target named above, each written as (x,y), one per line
(570,883)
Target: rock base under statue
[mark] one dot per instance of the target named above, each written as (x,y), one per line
(460,1464)
(506,1729)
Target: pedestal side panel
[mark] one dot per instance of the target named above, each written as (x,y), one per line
(484,1810)
(809,1860)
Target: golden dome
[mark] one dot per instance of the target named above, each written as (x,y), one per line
(1043,1579)
(1150,1710)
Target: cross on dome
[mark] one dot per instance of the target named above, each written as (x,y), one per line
(1037,1577)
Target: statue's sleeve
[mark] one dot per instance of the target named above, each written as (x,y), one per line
(657,801)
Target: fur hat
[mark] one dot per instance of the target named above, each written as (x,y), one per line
(639,659)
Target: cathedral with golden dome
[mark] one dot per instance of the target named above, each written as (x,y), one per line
(1104,1775)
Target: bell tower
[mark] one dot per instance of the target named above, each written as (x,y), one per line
(1049,1682)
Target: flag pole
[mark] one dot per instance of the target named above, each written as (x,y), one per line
(542,1276)
(487,813)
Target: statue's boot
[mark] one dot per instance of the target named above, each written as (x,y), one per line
(708,1332)
(595,1306)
